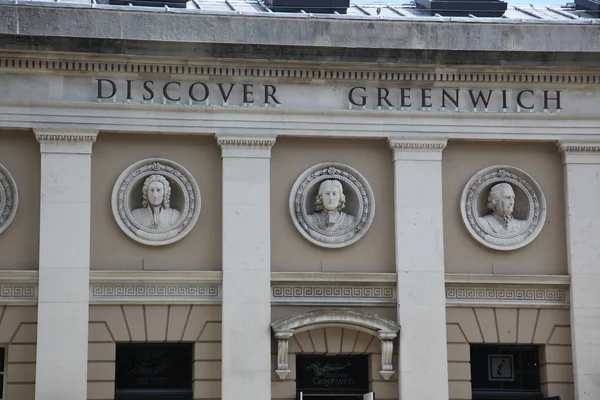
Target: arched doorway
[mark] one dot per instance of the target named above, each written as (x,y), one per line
(342,376)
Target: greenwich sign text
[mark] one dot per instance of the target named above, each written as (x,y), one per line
(199,93)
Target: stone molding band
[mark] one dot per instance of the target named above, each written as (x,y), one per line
(265,72)
(143,287)
(66,141)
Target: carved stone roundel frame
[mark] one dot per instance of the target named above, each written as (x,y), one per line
(9,198)
(527,193)
(180,181)
(355,187)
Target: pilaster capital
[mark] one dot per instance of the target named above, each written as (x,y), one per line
(66,141)
(417,149)
(251,146)
(579,152)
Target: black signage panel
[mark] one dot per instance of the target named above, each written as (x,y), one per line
(154,366)
(326,374)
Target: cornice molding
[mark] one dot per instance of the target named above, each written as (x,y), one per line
(256,69)
(237,142)
(420,144)
(44,136)
(245,146)
(66,141)
(580,152)
(579,147)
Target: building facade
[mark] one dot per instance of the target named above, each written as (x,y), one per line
(228,203)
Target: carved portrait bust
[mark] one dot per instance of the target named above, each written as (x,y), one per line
(156,211)
(9,198)
(503,207)
(143,203)
(319,205)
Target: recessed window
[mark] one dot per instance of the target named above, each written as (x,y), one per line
(154,371)
(505,372)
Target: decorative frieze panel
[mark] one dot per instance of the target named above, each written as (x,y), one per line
(148,287)
(18,287)
(333,288)
(498,291)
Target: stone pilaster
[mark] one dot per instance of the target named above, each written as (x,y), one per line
(62,336)
(581,166)
(246,340)
(420,267)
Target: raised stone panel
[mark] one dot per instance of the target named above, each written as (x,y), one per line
(561,335)
(467,321)
(318,339)
(21,353)
(564,390)
(507,324)
(156,321)
(21,391)
(100,390)
(458,352)
(20,373)
(283,390)
(101,371)
(114,318)
(208,351)
(349,340)
(487,323)
(211,332)
(11,320)
(459,390)
(136,322)
(459,371)
(26,333)
(101,351)
(333,339)
(557,354)
(196,324)
(363,342)
(547,320)
(454,333)
(99,332)
(178,316)
(304,342)
(527,322)
(207,370)
(207,390)
(385,390)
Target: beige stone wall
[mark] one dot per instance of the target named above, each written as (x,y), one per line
(111,248)
(290,251)
(547,253)
(332,341)
(18,334)
(548,328)
(154,323)
(20,155)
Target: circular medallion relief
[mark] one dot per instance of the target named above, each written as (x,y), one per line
(9,198)
(503,207)
(156,201)
(332,205)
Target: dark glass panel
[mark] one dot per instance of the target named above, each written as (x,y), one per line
(154,366)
